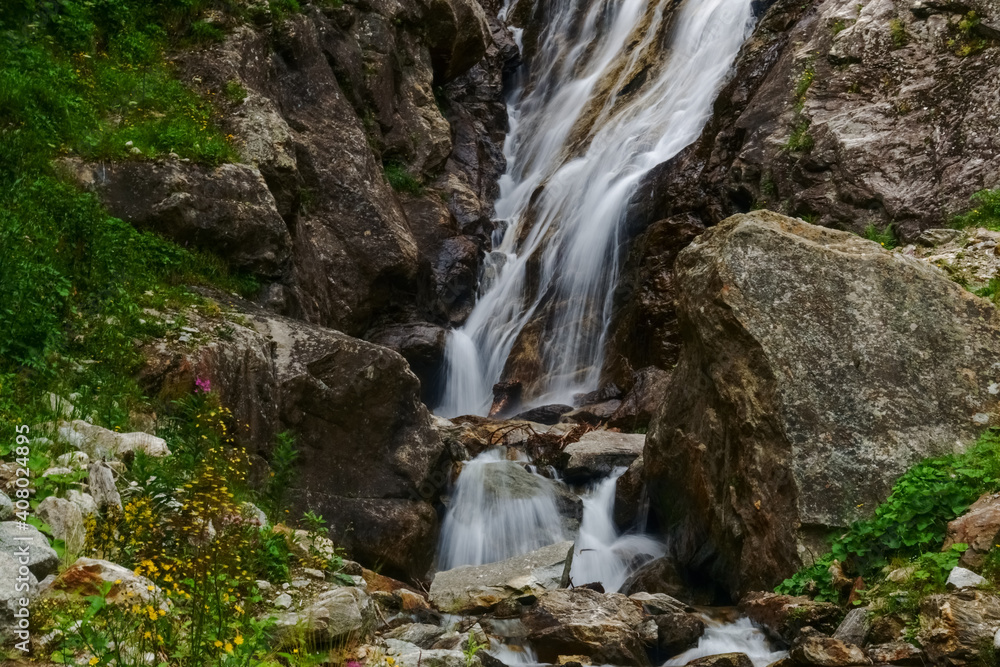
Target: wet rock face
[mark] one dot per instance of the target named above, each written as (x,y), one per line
(849,113)
(816,368)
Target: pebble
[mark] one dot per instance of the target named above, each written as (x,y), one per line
(284,601)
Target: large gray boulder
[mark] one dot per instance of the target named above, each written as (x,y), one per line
(816,368)
(478,588)
(368,459)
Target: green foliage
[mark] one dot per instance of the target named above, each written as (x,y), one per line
(235,92)
(803,85)
(985,212)
(283,458)
(472,647)
(402,180)
(990,291)
(88,79)
(800,141)
(912,521)
(924,575)
(898,34)
(966,42)
(886,236)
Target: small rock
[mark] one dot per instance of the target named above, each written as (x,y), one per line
(75,460)
(263,585)
(6,507)
(60,406)
(332,616)
(86,576)
(936,237)
(66,521)
(84,501)
(821,651)
(57,470)
(854,628)
(469,589)
(283,601)
(896,653)
(418,634)
(598,453)
(300,583)
(315,574)
(959,577)
(42,559)
(723,660)
(101,484)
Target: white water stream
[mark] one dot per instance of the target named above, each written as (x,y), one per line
(579,143)
(613,90)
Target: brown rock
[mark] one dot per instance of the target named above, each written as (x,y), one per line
(642,401)
(979,527)
(784,616)
(605,628)
(722,660)
(677,632)
(896,653)
(368,459)
(827,652)
(889,132)
(227,210)
(958,628)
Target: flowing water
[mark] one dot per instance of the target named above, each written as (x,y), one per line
(739,636)
(615,87)
(601,552)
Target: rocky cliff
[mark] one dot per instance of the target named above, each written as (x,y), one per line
(842,113)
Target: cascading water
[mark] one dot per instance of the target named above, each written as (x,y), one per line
(601,553)
(495,514)
(615,88)
(740,636)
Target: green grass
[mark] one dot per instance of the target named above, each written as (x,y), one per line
(402,180)
(84,78)
(909,527)
(800,141)
(885,236)
(985,212)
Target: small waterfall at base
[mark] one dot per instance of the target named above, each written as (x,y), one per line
(740,636)
(601,553)
(494,515)
(614,88)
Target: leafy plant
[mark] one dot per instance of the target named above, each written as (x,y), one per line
(886,236)
(472,647)
(898,34)
(912,521)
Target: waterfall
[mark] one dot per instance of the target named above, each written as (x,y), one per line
(601,553)
(614,88)
(495,515)
(740,636)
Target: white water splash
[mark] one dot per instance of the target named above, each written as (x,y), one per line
(741,636)
(601,553)
(490,520)
(577,188)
